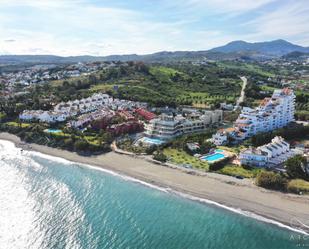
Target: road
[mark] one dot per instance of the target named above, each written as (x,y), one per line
(242,93)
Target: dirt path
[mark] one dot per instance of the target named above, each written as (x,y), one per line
(242,93)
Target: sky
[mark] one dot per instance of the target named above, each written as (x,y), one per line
(105,27)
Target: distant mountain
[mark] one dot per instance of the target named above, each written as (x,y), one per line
(231,51)
(155,57)
(273,48)
(295,55)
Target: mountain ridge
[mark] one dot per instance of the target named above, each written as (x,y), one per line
(232,50)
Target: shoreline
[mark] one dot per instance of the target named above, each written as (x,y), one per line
(238,196)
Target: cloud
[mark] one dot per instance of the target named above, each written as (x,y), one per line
(290,21)
(9,40)
(74,27)
(223,6)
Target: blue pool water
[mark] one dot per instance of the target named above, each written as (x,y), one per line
(219,150)
(53,130)
(155,141)
(213,157)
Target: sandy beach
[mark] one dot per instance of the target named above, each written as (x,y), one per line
(225,190)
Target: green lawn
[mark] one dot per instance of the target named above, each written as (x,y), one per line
(181,157)
(234,149)
(92,140)
(22,125)
(59,134)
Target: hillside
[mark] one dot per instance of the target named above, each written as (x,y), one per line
(275,48)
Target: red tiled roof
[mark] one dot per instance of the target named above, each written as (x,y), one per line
(145,114)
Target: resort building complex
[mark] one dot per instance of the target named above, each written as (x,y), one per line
(167,127)
(268,155)
(97,105)
(272,113)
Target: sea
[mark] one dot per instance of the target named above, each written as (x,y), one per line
(49,202)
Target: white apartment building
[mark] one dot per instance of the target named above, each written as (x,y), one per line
(273,113)
(167,127)
(43,116)
(84,119)
(84,105)
(268,155)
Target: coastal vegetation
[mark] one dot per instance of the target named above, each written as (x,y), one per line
(294,180)
(236,170)
(271,180)
(298,186)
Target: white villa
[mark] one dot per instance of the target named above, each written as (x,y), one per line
(273,113)
(167,127)
(268,155)
(65,110)
(84,105)
(43,116)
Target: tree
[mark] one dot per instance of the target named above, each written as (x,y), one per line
(296,167)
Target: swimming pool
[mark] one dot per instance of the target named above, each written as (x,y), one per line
(219,150)
(155,141)
(213,157)
(53,130)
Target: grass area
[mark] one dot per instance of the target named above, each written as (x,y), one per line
(101,87)
(70,80)
(204,98)
(92,140)
(15,124)
(234,149)
(255,69)
(298,185)
(268,88)
(164,71)
(181,157)
(59,134)
(234,170)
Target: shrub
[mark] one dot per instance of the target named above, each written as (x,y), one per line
(68,143)
(218,165)
(159,156)
(297,186)
(81,145)
(271,180)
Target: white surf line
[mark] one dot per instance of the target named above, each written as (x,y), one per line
(169,190)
